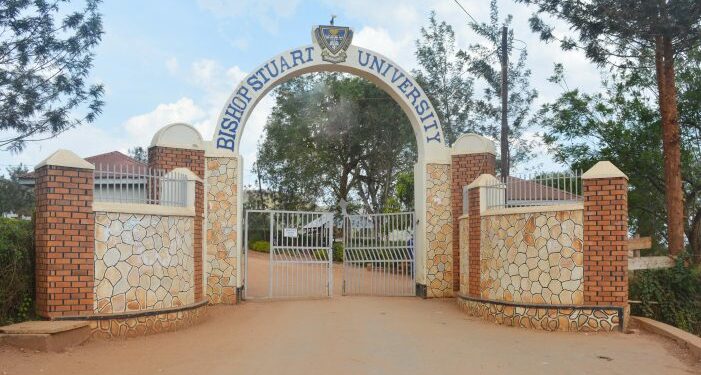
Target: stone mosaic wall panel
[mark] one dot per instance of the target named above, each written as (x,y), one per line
(544,318)
(439,232)
(533,257)
(142,262)
(146,325)
(221,175)
(464,229)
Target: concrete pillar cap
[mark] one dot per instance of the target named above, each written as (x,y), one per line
(483,180)
(603,169)
(65,158)
(471,143)
(178,135)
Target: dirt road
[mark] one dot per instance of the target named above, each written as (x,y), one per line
(357,335)
(312,279)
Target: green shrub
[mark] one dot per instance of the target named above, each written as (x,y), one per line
(337,252)
(672,295)
(16,271)
(261,246)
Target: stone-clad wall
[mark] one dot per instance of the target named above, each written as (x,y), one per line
(464,276)
(220,176)
(565,318)
(533,257)
(143,262)
(439,232)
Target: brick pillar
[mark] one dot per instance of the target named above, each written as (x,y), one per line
(169,158)
(605,235)
(472,156)
(474,224)
(65,236)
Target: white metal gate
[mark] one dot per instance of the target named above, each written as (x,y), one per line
(378,255)
(300,260)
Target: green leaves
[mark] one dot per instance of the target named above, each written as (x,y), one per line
(442,76)
(332,137)
(483,62)
(44,63)
(16,270)
(14,197)
(670,295)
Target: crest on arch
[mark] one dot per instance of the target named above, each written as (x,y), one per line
(334,41)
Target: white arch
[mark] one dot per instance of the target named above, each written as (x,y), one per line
(362,62)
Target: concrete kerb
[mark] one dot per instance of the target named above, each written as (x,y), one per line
(685,339)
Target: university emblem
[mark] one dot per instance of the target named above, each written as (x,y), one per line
(334,41)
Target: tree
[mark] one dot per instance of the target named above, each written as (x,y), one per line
(622,124)
(483,62)
(139,153)
(441,76)
(333,137)
(14,197)
(618,32)
(46,53)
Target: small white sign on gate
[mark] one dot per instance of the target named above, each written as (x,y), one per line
(290,232)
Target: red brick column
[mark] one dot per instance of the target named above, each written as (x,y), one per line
(65,238)
(168,158)
(472,156)
(605,235)
(474,229)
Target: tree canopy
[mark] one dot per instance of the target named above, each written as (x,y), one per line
(331,137)
(442,75)
(46,53)
(622,124)
(624,33)
(483,63)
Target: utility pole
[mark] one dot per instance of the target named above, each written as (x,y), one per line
(504,105)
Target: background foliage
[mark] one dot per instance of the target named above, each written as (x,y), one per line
(46,53)
(670,295)
(16,270)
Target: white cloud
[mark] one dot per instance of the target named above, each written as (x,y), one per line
(144,126)
(239,42)
(172,65)
(85,141)
(379,40)
(267,12)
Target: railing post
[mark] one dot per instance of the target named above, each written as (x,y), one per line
(65,236)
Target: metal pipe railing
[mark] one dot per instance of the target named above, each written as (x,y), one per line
(542,189)
(139,185)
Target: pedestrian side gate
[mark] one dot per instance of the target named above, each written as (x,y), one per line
(379,257)
(300,254)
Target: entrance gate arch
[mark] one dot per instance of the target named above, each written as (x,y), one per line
(432,193)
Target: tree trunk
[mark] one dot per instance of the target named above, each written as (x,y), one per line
(695,238)
(664,64)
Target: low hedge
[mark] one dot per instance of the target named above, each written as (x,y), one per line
(260,246)
(671,295)
(16,270)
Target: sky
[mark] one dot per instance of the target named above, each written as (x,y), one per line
(163,61)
